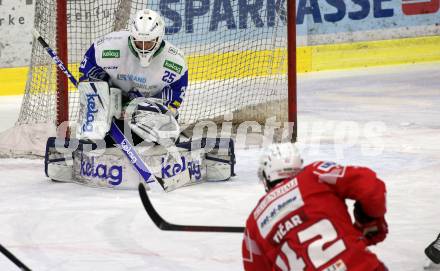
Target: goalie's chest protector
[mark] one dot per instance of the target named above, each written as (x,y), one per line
(114,54)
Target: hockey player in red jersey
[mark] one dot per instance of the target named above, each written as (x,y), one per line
(302,223)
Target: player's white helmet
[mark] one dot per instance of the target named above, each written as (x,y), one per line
(278,162)
(147,30)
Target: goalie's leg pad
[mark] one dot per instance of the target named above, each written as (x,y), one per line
(58,160)
(92,164)
(86,163)
(219,156)
(59,156)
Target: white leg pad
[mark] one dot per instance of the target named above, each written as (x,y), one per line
(60,172)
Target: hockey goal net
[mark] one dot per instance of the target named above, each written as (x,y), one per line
(236,52)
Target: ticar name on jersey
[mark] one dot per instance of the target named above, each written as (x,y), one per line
(286,226)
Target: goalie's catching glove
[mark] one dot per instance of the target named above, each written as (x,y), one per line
(153,121)
(374,229)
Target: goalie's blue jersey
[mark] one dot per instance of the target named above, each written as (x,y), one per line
(112,59)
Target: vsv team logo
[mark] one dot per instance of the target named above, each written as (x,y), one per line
(171,170)
(112,174)
(90,113)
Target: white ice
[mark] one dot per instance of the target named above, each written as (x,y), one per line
(385,118)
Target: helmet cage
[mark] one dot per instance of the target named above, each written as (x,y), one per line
(144,52)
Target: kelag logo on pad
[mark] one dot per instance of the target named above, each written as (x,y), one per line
(91,110)
(171,170)
(111,173)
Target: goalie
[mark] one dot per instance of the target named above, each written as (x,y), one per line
(137,64)
(134,77)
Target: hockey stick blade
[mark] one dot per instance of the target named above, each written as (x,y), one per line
(166,226)
(14,259)
(433,251)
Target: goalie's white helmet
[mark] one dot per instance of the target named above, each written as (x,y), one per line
(279,162)
(147,29)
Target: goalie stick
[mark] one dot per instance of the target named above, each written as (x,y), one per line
(115,133)
(166,226)
(14,259)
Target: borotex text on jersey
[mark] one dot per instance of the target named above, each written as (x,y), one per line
(138,81)
(131,77)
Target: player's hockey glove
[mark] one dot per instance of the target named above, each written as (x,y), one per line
(374,229)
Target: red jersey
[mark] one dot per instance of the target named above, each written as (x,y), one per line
(303,223)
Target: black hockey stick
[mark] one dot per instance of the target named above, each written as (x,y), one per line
(433,251)
(14,259)
(166,226)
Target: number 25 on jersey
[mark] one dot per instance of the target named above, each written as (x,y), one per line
(168,77)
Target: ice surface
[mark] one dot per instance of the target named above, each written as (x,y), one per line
(55,226)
